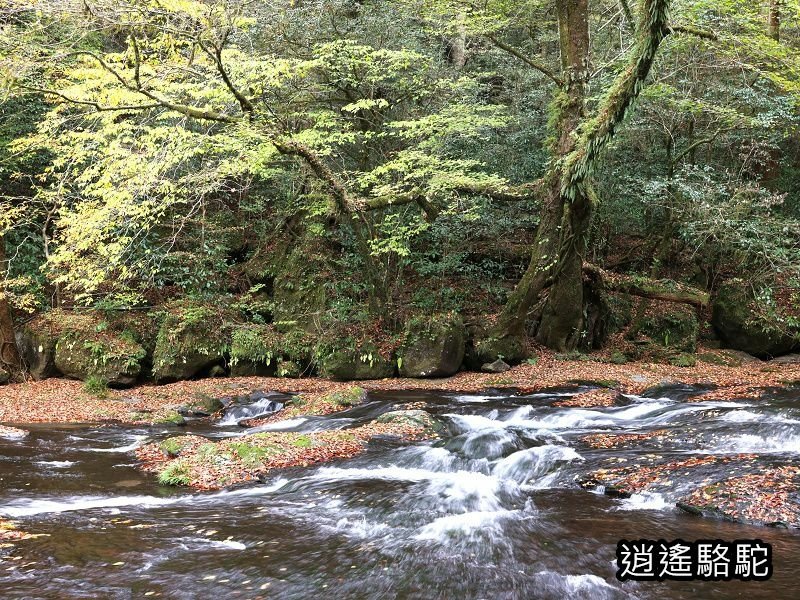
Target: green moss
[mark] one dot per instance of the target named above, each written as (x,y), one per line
(303,441)
(683,360)
(676,328)
(173,446)
(190,339)
(349,397)
(96,386)
(618,358)
(171,418)
(175,473)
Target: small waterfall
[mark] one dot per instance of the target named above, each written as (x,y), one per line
(262,407)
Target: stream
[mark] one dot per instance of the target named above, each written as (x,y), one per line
(492,510)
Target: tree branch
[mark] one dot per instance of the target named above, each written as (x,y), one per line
(528,61)
(702,33)
(95,105)
(662,289)
(598,131)
(216,57)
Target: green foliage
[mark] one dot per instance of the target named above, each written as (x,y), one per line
(96,386)
(175,473)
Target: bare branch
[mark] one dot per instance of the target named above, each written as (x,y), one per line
(528,61)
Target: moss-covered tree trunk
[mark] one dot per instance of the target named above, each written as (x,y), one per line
(562,235)
(9,354)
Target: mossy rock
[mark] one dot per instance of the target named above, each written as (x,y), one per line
(191,339)
(432,347)
(255,351)
(171,418)
(675,328)
(347,364)
(105,357)
(413,418)
(289,369)
(174,445)
(487,349)
(202,406)
(37,346)
(261,350)
(742,327)
(299,297)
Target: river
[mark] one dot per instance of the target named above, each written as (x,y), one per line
(492,510)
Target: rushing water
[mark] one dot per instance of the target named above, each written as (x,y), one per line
(489,511)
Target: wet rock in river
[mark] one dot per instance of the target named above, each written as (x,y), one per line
(769,497)
(412,418)
(204,406)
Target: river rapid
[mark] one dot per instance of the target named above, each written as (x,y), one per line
(491,510)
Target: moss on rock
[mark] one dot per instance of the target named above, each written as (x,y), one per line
(433,346)
(86,354)
(750,320)
(487,349)
(348,364)
(675,328)
(190,340)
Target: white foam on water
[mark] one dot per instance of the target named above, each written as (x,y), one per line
(16,434)
(586,586)
(456,491)
(236,413)
(138,441)
(444,529)
(644,501)
(279,425)
(56,464)
(361,528)
(778,443)
(534,464)
(224,544)
(748,416)
(476,399)
(27,507)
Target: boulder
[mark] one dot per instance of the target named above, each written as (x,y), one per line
(37,346)
(364,363)
(263,351)
(498,366)
(486,349)
(109,358)
(4,376)
(412,418)
(742,326)
(672,326)
(433,347)
(191,340)
(788,359)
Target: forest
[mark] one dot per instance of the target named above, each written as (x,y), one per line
(253,215)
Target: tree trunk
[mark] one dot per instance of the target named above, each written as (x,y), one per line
(774,20)
(9,354)
(561,238)
(556,257)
